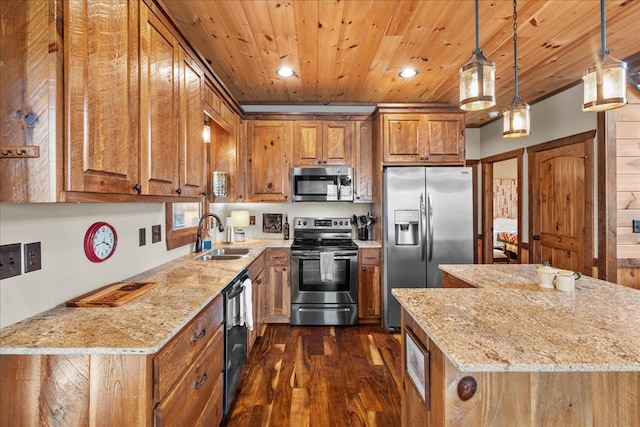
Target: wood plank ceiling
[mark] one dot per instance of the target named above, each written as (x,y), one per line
(351,51)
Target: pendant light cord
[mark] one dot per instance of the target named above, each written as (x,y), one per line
(515,45)
(603,31)
(477,28)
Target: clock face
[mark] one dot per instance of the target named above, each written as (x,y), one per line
(100,242)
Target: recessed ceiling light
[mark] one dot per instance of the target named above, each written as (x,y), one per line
(493,114)
(285,72)
(408,73)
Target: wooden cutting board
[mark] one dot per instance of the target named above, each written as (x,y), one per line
(112,295)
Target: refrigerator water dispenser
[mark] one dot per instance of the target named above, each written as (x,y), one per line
(406,225)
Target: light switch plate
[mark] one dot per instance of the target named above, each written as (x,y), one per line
(10,260)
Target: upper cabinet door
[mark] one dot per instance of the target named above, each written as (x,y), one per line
(337,139)
(444,137)
(101,95)
(402,137)
(193,181)
(159,106)
(268,162)
(307,143)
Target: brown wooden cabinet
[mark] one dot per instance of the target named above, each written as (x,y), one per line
(257,275)
(423,138)
(449,281)
(276,296)
(369,289)
(101,96)
(268,160)
(363,162)
(323,142)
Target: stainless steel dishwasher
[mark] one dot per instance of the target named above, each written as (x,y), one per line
(235,337)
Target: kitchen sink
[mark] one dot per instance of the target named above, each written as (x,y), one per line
(223,253)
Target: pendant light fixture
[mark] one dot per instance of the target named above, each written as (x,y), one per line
(605,83)
(477,79)
(516,116)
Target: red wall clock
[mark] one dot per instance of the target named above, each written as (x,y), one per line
(100,241)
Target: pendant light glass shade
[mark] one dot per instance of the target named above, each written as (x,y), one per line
(477,83)
(605,83)
(517,121)
(477,79)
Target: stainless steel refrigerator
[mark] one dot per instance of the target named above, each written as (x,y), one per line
(428,220)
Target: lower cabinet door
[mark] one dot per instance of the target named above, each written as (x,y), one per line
(197,397)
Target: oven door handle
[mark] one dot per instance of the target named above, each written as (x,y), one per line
(232,294)
(325,309)
(315,255)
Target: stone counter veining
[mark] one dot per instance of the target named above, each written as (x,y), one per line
(142,326)
(510,324)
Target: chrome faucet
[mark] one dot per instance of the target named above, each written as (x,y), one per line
(199,234)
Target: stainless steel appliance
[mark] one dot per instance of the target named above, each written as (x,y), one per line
(235,337)
(324,272)
(428,220)
(331,183)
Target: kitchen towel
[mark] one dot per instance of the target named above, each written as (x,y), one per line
(247,305)
(327,266)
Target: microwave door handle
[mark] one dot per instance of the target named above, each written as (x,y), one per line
(338,184)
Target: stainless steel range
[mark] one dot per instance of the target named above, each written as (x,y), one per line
(324,272)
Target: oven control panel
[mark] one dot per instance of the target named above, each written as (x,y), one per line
(321,223)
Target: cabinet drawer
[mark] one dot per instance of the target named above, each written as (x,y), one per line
(193,397)
(169,363)
(370,256)
(279,257)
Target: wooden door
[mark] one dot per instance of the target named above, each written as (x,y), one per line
(307,143)
(561,203)
(444,138)
(193,181)
(269,152)
(337,139)
(401,137)
(101,70)
(159,106)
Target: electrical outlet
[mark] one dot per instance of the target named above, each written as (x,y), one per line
(142,236)
(32,257)
(10,260)
(156,233)
(252,220)
(636,225)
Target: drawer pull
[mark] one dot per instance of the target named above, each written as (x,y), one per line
(200,381)
(201,335)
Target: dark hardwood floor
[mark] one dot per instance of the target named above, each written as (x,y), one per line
(320,376)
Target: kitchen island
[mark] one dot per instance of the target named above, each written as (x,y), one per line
(511,353)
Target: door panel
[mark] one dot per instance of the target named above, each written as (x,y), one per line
(562,206)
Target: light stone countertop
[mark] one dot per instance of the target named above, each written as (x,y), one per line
(510,324)
(142,326)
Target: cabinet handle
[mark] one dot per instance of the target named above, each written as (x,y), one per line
(201,335)
(284,268)
(319,162)
(467,388)
(138,188)
(204,193)
(259,282)
(200,381)
(364,268)
(179,191)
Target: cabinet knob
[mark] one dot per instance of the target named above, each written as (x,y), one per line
(204,193)
(467,388)
(259,282)
(364,268)
(284,268)
(179,191)
(138,188)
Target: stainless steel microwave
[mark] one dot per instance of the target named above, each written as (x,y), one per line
(332,183)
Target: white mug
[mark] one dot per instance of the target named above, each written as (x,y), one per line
(566,281)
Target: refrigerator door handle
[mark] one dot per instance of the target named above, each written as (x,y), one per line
(430,226)
(422,228)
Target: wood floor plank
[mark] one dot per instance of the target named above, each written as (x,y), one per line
(320,377)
